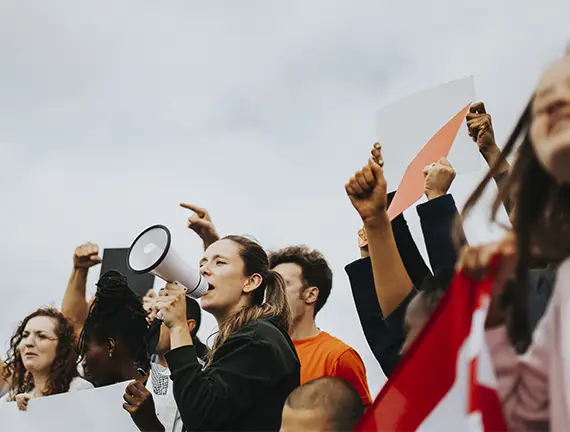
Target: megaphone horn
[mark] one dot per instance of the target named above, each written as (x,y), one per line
(151,252)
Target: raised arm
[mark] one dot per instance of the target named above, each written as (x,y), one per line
(367,193)
(74,305)
(480,129)
(439,216)
(201,223)
(407,248)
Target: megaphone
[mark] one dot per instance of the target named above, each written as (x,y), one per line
(151,252)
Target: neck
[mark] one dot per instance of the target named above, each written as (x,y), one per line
(40,383)
(128,371)
(304,326)
(222,316)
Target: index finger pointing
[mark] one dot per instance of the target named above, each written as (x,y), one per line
(198,210)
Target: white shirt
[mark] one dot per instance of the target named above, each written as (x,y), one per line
(165,404)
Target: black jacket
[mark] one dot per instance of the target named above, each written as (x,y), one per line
(386,336)
(245,386)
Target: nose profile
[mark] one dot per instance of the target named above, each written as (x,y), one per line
(205,270)
(28,341)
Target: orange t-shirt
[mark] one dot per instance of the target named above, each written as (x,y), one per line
(324,355)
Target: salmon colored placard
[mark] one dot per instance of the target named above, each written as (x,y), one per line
(411,187)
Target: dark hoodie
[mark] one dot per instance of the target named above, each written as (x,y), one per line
(245,386)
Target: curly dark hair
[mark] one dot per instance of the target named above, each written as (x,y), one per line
(62,370)
(315,269)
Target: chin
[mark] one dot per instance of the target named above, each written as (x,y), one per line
(205,304)
(555,156)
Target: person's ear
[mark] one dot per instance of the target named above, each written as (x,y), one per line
(191,325)
(111,346)
(253,282)
(310,295)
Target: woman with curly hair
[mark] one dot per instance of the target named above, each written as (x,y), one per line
(42,360)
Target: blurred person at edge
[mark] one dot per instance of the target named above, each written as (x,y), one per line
(533,387)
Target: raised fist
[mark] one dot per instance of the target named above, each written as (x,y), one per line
(480,127)
(438,178)
(367,188)
(86,256)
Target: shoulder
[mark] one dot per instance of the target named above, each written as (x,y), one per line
(261,330)
(78,384)
(333,344)
(261,336)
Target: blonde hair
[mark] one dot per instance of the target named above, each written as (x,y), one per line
(268,300)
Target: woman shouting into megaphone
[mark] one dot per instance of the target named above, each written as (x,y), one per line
(253,365)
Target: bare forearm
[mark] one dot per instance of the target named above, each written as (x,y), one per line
(74,305)
(390,277)
(492,156)
(180,336)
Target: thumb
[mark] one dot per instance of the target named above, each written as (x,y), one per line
(96,259)
(444,161)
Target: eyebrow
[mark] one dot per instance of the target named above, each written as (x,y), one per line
(204,259)
(545,92)
(40,331)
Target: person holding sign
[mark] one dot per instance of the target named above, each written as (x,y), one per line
(533,387)
(253,365)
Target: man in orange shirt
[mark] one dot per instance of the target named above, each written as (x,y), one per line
(308,279)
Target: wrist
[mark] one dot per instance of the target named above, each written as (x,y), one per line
(433,194)
(490,151)
(81,270)
(379,220)
(208,240)
(154,426)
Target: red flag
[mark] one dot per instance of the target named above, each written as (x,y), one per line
(445,381)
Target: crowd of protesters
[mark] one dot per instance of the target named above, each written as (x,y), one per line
(271,367)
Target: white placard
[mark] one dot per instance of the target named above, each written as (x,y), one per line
(94,410)
(405,126)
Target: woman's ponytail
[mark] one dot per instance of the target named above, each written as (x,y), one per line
(275,302)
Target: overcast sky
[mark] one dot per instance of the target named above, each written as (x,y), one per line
(111,113)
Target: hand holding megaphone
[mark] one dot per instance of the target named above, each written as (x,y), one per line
(151,252)
(171,304)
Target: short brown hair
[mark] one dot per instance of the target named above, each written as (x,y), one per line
(314,269)
(336,397)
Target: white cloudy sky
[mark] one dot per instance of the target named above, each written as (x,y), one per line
(111,113)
